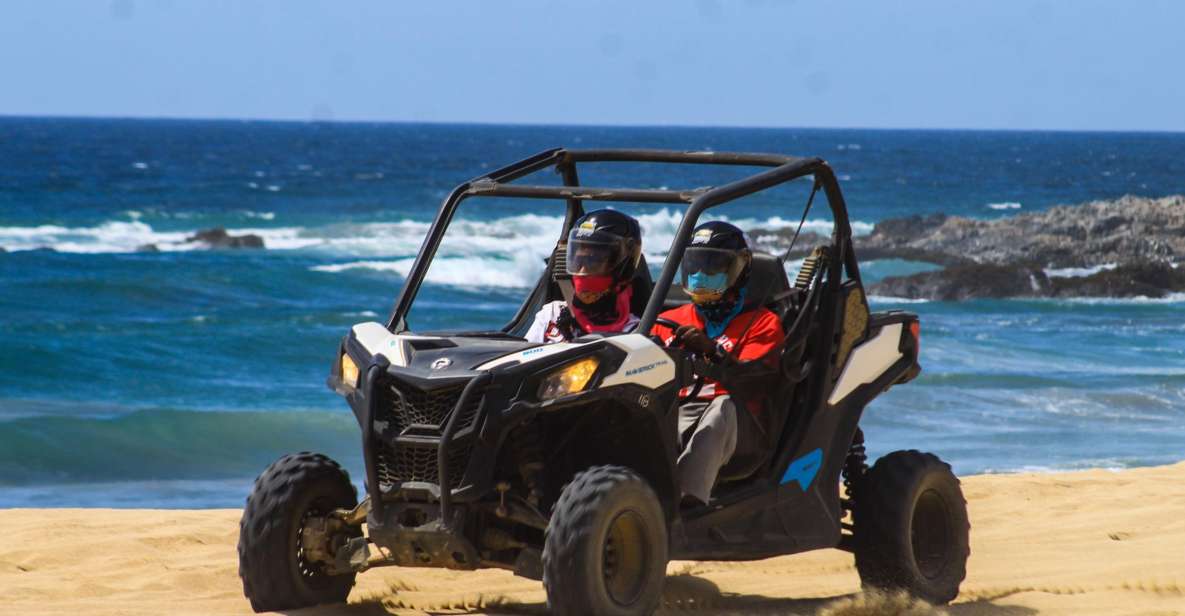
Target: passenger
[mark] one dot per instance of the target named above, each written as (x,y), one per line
(604,248)
(734,340)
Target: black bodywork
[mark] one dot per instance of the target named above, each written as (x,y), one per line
(463,465)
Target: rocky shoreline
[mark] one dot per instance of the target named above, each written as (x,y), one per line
(1134,245)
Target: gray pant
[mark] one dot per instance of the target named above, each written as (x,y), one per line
(708,447)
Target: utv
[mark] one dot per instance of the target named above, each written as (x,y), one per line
(557,461)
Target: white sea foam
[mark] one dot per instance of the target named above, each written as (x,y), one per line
(484,272)
(515,246)
(888,299)
(1078,272)
(1171,298)
(123,236)
(1004,205)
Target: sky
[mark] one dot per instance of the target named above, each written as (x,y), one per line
(1011,64)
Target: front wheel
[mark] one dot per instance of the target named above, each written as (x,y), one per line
(274,564)
(605,551)
(911,527)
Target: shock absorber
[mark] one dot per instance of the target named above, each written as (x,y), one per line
(854,468)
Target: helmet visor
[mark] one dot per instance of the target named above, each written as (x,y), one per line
(708,272)
(588,257)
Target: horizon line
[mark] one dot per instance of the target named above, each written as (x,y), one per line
(166,118)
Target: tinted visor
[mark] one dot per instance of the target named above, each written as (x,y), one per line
(710,270)
(708,260)
(594,257)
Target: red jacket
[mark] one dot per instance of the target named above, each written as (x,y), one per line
(750,336)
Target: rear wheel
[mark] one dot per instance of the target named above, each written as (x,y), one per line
(911,527)
(606,546)
(275,566)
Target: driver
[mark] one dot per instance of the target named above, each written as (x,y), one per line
(734,340)
(604,248)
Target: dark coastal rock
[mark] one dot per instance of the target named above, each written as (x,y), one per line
(1123,230)
(1007,256)
(148,248)
(967,281)
(988,280)
(1155,279)
(219,238)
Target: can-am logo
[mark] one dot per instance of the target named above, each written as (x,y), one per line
(442,363)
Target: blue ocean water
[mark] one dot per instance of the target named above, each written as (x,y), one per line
(171,378)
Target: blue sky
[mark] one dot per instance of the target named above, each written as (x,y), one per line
(1072,64)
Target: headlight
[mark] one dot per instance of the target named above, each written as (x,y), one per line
(349,372)
(569,379)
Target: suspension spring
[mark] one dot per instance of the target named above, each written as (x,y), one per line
(853,469)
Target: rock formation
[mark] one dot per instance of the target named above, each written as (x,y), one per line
(1142,238)
(219,238)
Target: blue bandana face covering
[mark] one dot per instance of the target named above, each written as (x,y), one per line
(714,283)
(717,315)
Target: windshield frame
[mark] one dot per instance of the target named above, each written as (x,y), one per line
(499,183)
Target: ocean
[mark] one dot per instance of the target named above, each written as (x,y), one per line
(170,377)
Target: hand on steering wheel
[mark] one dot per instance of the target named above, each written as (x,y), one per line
(698,383)
(690,338)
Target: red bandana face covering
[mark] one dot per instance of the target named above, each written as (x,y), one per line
(592,284)
(621,305)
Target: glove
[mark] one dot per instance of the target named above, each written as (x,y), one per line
(567,324)
(694,339)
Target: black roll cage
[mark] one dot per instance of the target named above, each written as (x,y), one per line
(500,183)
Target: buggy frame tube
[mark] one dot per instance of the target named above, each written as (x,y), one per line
(494,184)
(442,470)
(431,242)
(795,169)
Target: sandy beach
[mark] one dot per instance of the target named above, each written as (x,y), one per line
(1091,542)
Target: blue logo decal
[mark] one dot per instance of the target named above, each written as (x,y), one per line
(804,469)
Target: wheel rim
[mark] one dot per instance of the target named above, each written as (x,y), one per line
(312,573)
(625,558)
(931,533)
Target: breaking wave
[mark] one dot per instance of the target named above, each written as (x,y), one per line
(503,236)
(1079,272)
(123,236)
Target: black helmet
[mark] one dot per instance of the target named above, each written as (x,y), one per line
(604,243)
(716,261)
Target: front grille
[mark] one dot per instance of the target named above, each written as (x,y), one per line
(403,406)
(400,407)
(417,462)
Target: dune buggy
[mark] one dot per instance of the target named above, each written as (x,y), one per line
(557,461)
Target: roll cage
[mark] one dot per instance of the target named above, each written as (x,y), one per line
(501,183)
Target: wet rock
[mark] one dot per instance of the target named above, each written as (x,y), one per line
(910,226)
(1125,229)
(967,281)
(988,280)
(148,248)
(219,238)
(1149,279)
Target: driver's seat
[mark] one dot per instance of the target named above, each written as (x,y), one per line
(757,439)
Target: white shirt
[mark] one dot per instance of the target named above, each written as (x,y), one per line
(544,328)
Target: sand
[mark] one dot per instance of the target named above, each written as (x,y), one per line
(1092,542)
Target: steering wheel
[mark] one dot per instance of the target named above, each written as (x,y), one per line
(667,323)
(699,378)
